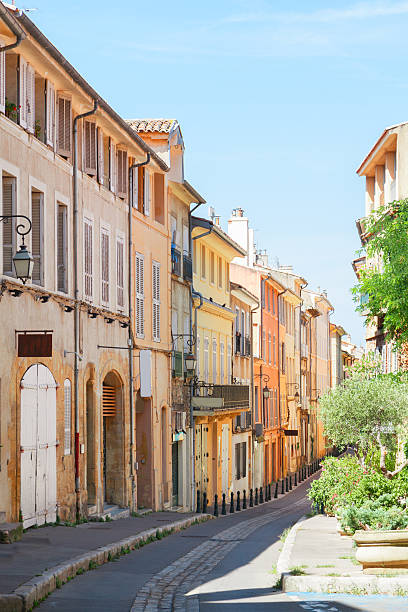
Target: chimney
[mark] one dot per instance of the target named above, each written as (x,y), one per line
(217,220)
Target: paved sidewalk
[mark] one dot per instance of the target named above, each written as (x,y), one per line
(40,549)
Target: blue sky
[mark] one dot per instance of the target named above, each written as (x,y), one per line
(278,101)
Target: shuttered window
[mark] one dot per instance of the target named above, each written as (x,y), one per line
(219,272)
(104,266)
(101,156)
(198,355)
(222,364)
(139,282)
(108,401)
(156,301)
(2,79)
(238,461)
(158,197)
(67,417)
(9,234)
(229,363)
(243,459)
(122,167)
(120,294)
(202,261)
(146,193)
(62,248)
(112,166)
(64,126)
(30,98)
(206,359)
(89,148)
(88,259)
(50,114)
(22,94)
(214,361)
(37,236)
(135,187)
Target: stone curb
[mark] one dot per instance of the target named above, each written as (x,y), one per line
(359,585)
(283,564)
(23,598)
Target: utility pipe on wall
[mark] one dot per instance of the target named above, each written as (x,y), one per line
(75,237)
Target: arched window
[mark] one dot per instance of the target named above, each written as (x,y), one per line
(67,416)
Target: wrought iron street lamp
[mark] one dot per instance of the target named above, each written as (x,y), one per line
(267,393)
(190,362)
(296,386)
(23,260)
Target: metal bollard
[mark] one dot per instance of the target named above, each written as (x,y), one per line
(290,482)
(276,490)
(295,480)
(223,505)
(238,501)
(251,498)
(244,501)
(198,508)
(256,496)
(269,492)
(205,502)
(232,504)
(287,484)
(216,505)
(283,487)
(261,497)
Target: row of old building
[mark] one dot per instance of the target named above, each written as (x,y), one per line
(149,354)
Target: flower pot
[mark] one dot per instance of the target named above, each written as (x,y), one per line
(381,550)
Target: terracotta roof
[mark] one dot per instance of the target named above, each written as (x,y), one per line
(153,125)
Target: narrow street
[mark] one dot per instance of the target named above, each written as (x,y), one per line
(224,564)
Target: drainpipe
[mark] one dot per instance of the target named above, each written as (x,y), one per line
(252,394)
(300,357)
(130,328)
(14,27)
(76,296)
(279,385)
(199,295)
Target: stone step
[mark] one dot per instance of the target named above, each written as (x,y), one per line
(10,532)
(115,512)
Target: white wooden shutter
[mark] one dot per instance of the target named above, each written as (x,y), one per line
(214,361)
(122,166)
(2,79)
(146,193)
(50,115)
(101,160)
(206,359)
(229,359)
(67,417)
(156,301)
(23,93)
(8,227)
(198,354)
(112,163)
(64,126)
(120,295)
(89,147)
(105,266)
(37,232)
(135,187)
(88,259)
(222,363)
(139,281)
(30,98)
(62,248)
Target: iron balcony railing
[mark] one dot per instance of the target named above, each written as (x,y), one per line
(231,396)
(187,268)
(175,260)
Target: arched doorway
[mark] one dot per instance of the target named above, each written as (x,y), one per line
(113,466)
(38,446)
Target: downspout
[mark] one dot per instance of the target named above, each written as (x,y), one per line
(279,372)
(76,306)
(130,328)
(196,294)
(253,397)
(300,355)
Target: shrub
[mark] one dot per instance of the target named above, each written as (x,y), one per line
(380,514)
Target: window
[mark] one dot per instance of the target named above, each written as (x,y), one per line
(105,266)
(273,301)
(219,272)
(274,350)
(269,348)
(62,248)
(186,240)
(105,176)
(229,363)
(37,236)
(173,230)
(269,298)
(8,227)
(198,355)
(222,365)
(256,405)
(240,460)
(89,147)
(120,280)
(206,359)
(156,301)
(214,361)
(50,114)
(212,267)
(88,259)
(143,191)
(26,95)
(202,261)
(64,126)
(121,173)
(139,282)
(263,346)
(227,279)
(2,79)
(67,417)
(283,358)
(158,188)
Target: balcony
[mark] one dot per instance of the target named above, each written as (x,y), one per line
(187,268)
(175,260)
(209,398)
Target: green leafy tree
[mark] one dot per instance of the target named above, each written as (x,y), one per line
(384,280)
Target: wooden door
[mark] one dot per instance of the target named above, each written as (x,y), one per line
(224,459)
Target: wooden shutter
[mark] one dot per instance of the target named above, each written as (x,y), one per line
(214,361)
(101,157)
(90,147)
(64,126)
(23,92)
(146,193)
(112,166)
(30,98)
(108,401)
(237,461)
(206,359)
(62,248)
(139,295)
(229,363)
(122,165)
(105,266)
(9,208)
(50,114)
(156,300)
(120,297)
(243,459)
(135,187)
(222,360)
(67,417)
(88,259)
(37,231)
(2,79)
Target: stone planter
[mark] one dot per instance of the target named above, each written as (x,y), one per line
(382,551)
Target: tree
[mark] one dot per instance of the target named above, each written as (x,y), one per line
(369,410)
(384,280)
